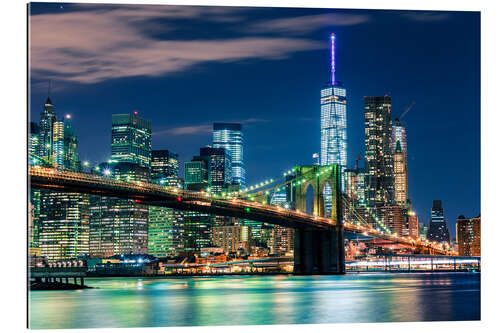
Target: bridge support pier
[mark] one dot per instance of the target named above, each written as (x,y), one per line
(319,251)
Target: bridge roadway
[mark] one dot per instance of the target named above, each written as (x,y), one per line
(172,197)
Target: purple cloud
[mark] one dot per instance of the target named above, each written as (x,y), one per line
(308,23)
(102,43)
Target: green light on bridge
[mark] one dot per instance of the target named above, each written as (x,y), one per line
(247,209)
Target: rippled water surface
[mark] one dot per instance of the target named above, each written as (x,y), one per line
(252,300)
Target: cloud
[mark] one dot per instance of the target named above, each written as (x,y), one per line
(199,129)
(203,128)
(308,23)
(98,43)
(427,16)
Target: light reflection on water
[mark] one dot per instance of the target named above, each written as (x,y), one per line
(252,300)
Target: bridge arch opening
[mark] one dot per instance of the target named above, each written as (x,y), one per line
(327,199)
(309,199)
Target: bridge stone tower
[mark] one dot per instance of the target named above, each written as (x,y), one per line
(319,251)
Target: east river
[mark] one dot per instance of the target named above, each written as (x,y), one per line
(254,300)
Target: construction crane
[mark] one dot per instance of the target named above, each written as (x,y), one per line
(406,111)
(357,160)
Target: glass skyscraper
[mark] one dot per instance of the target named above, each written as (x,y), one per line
(120,226)
(164,164)
(333,119)
(63,217)
(438,231)
(47,120)
(230,137)
(219,168)
(379,165)
(131,139)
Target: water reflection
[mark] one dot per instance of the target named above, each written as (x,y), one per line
(251,300)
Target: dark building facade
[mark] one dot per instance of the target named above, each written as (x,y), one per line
(164,164)
(438,231)
(379,165)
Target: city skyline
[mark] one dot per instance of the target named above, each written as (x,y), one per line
(258,126)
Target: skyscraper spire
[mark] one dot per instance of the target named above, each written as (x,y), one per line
(332,40)
(48,94)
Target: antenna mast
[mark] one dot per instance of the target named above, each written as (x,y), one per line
(332,39)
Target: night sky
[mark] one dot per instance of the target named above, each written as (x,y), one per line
(184,68)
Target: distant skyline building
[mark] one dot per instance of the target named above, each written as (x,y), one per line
(230,137)
(400,177)
(438,231)
(131,139)
(469,236)
(47,120)
(379,165)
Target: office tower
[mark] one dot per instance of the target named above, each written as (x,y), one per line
(63,217)
(64,225)
(379,179)
(333,126)
(196,174)
(47,119)
(469,236)
(164,164)
(231,238)
(166,225)
(219,168)
(393,217)
(165,231)
(333,119)
(230,137)
(131,139)
(119,226)
(399,148)
(33,141)
(71,160)
(438,231)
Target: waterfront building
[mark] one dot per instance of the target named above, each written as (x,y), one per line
(131,139)
(422,230)
(64,225)
(164,164)
(230,137)
(469,236)
(282,241)
(119,226)
(61,219)
(379,173)
(438,231)
(231,237)
(166,225)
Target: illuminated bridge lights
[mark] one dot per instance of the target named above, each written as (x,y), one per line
(49,175)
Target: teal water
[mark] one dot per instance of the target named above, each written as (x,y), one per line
(254,300)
